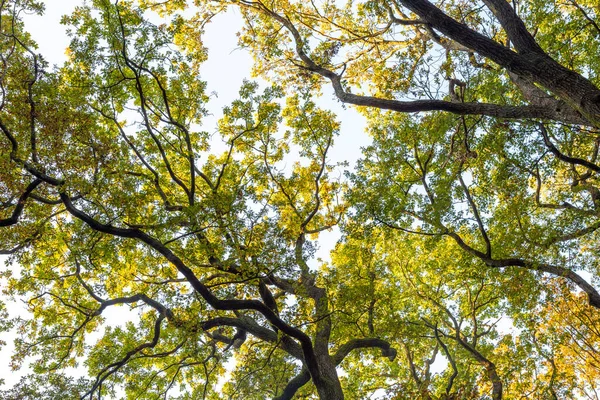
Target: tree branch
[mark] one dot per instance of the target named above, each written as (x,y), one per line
(14,218)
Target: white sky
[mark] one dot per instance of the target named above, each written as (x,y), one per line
(226,68)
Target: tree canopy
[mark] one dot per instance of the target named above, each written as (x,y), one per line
(475,208)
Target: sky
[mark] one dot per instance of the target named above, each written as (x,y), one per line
(225,70)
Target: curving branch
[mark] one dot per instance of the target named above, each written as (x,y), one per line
(294,385)
(488,244)
(144,109)
(573,235)
(26,165)
(563,157)
(537,66)
(155,176)
(586,15)
(203,290)
(514,27)
(366,343)
(14,218)
(355,344)
(112,368)
(466,37)
(249,325)
(593,295)
(450,360)
(471,348)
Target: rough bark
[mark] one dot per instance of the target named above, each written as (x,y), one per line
(536,65)
(582,97)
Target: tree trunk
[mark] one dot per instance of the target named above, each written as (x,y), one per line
(329,388)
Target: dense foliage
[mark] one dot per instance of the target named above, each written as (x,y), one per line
(468,262)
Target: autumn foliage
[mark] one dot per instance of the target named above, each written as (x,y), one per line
(467,262)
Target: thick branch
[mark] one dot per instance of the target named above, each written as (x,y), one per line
(354,344)
(513,26)
(250,326)
(593,295)
(294,385)
(537,66)
(204,291)
(14,218)
(303,377)
(564,157)
(487,109)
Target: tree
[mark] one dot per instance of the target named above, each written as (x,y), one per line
(477,201)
